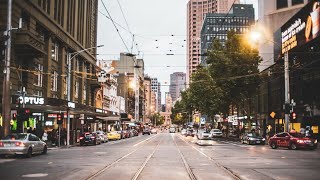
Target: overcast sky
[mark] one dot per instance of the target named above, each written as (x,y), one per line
(159,28)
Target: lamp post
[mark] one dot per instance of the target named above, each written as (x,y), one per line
(70,57)
(256,36)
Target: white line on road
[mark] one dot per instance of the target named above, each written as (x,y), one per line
(144,140)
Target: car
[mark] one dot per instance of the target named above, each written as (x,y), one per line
(183,132)
(122,135)
(103,136)
(214,133)
(146,130)
(252,138)
(292,141)
(88,138)
(134,132)
(22,144)
(190,132)
(172,130)
(114,135)
(154,131)
(203,134)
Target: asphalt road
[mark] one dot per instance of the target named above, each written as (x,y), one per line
(165,156)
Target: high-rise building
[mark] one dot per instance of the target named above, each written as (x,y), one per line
(155,87)
(196,11)
(177,84)
(51,32)
(147,98)
(217,25)
(272,15)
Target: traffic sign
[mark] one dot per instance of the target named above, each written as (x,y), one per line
(272,114)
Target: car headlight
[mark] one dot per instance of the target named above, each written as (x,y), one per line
(316,141)
(263,139)
(251,139)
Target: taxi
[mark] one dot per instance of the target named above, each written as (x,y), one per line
(114,135)
(292,141)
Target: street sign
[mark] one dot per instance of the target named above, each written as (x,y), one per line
(203,120)
(235,122)
(272,114)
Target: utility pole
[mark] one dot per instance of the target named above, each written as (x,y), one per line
(6,71)
(68,98)
(286,89)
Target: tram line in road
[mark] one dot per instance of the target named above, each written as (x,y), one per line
(114,163)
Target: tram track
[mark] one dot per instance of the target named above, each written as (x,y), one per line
(114,163)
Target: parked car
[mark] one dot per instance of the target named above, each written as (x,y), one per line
(252,138)
(146,130)
(114,135)
(103,136)
(214,133)
(292,141)
(22,144)
(89,138)
(154,131)
(126,134)
(122,135)
(134,132)
(203,134)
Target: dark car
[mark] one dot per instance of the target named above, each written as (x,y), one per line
(134,132)
(89,138)
(292,141)
(253,138)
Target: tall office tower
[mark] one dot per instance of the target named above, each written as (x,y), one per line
(155,87)
(177,84)
(217,25)
(196,11)
(272,15)
(147,98)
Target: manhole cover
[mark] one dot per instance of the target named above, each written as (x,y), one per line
(35,175)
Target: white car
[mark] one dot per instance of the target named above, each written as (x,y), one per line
(183,132)
(172,130)
(154,131)
(203,134)
(215,133)
(103,136)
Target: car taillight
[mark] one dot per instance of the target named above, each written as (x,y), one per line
(1,144)
(81,137)
(19,143)
(93,137)
(299,141)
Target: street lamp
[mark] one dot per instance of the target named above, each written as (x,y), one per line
(70,57)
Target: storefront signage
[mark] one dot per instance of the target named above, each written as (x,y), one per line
(302,27)
(31,100)
(71,105)
(36,114)
(52,115)
(99,110)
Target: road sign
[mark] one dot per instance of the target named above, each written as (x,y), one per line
(203,120)
(272,114)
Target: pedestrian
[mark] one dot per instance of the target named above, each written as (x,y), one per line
(45,136)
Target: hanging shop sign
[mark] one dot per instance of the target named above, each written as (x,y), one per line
(71,105)
(302,27)
(31,100)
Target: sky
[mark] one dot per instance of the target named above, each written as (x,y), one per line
(151,29)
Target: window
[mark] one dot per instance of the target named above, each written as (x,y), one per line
(84,97)
(295,2)
(65,85)
(77,65)
(76,92)
(55,51)
(282,4)
(38,75)
(54,81)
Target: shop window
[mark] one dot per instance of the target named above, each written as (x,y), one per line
(282,4)
(54,81)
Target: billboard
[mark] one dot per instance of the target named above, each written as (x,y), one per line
(302,27)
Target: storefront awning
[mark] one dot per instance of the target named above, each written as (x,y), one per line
(109,118)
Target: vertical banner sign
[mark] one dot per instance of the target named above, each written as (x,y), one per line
(302,27)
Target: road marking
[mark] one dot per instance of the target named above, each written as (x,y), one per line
(35,175)
(145,140)
(6,160)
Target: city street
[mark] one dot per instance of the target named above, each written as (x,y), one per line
(165,156)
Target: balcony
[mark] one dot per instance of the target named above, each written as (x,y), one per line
(27,43)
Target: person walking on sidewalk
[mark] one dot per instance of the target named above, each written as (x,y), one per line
(45,136)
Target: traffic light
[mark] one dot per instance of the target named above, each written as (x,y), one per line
(60,118)
(24,114)
(14,116)
(293,116)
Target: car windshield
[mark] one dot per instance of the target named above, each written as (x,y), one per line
(297,135)
(253,135)
(15,137)
(215,130)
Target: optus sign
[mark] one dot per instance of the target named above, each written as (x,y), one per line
(31,100)
(302,27)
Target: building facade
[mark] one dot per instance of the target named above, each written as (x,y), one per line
(217,25)
(147,98)
(51,31)
(167,113)
(177,85)
(196,11)
(156,87)
(272,15)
